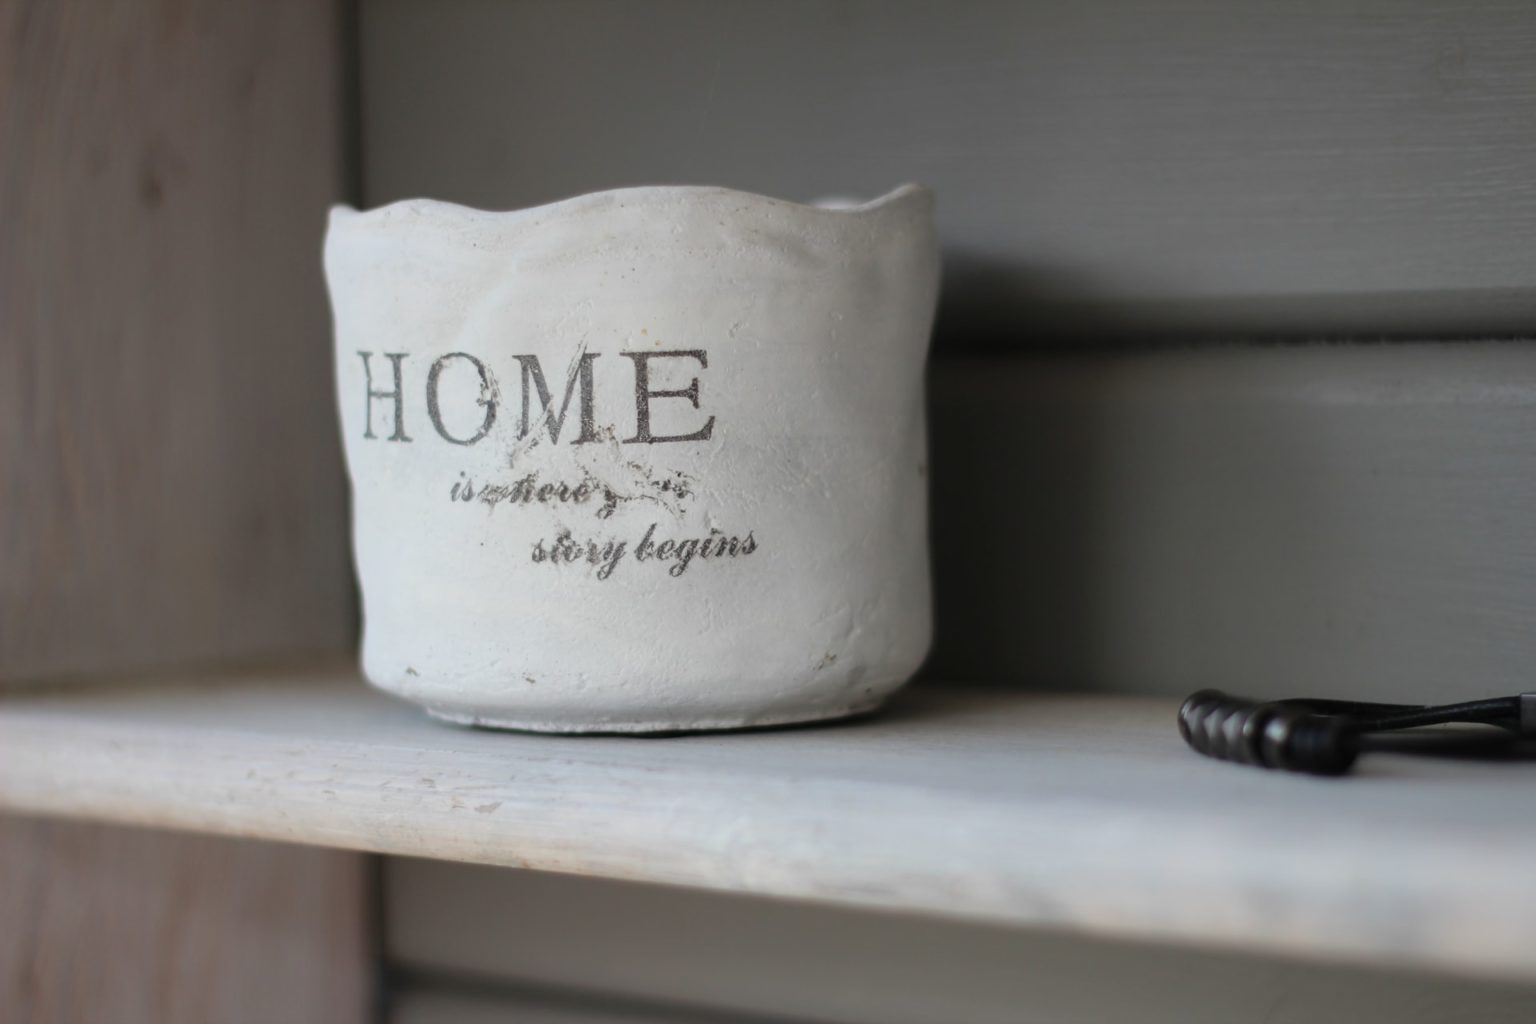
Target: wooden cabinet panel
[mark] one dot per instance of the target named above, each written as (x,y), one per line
(103,923)
(171,487)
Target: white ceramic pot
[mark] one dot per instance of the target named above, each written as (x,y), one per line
(649,459)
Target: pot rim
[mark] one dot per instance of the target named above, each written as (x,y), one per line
(345,213)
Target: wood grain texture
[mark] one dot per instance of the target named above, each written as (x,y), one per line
(171,487)
(1116,167)
(1083,813)
(679,954)
(1277,521)
(133,927)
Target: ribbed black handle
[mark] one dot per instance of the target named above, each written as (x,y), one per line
(1324,737)
(1274,734)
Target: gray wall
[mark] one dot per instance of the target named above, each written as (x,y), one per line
(1113,168)
(1333,519)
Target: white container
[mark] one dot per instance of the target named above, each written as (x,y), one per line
(648,459)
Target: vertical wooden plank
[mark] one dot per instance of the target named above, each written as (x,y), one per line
(170,482)
(117,924)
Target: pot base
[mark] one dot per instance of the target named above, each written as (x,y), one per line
(659,726)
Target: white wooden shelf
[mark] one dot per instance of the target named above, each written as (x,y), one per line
(1081,813)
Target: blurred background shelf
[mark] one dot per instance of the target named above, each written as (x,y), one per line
(1081,813)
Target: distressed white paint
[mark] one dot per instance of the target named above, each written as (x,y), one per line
(1086,814)
(689,426)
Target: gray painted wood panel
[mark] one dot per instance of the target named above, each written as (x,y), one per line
(171,487)
(1348,520)
(797,962)
(1116,167)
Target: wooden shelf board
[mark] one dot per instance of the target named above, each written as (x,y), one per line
(1080,813)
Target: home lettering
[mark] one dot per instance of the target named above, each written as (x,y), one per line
(386,397)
